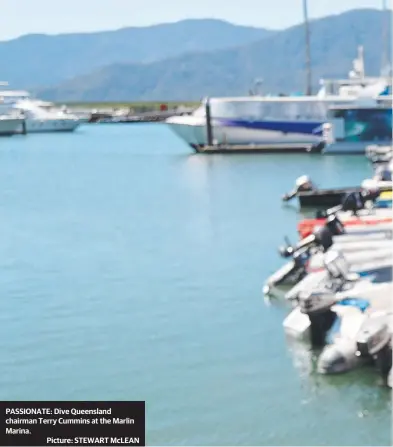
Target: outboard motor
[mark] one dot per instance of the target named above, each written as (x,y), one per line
(356,201)
(374,341)
(291,273)
(302,183)
(353,202)
(335,225)
(317,306)
(338,269)
(383,174)
(321,239)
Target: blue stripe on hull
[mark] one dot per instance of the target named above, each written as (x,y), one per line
(300,127)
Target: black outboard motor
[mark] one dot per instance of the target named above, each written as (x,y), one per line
(317,306)
(295,271)
(353,201)
(356,201)
(374,341)
(320,239)
(335,225)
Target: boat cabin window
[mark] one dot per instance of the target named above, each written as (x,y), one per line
(265,110)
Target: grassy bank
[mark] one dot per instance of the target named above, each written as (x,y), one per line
(136,106)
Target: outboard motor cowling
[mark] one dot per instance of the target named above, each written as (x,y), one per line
(302,184)
(337,266)
(373,336)
(335,225)
(374,340)
(353,202)
(313,303)
(323,237)
(356,201)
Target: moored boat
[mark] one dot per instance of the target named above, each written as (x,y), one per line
(282,123)
(310,196)
(37,116)
(346,314)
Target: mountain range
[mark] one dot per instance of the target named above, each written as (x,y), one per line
(42,60)
(190,59)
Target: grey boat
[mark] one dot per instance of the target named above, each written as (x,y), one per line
(346,314)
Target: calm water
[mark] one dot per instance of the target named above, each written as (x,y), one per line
(132,269)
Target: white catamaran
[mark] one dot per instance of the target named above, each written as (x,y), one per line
(291,123)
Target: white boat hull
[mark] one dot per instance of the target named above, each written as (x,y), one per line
(9,126)
(47,125)
(193,131)
(347,147)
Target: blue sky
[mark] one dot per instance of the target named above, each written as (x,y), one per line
(18,17)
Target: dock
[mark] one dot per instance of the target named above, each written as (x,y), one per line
(257,148)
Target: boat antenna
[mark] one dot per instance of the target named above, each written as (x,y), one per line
(308,52)
(359,63)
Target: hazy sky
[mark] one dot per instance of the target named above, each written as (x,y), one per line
(19,17)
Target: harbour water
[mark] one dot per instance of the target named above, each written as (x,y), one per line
(132,269)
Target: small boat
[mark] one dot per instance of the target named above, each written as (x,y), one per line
(361,249)
(353,229)
(348,315)
(357,209)
(310,196)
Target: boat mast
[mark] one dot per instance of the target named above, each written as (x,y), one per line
(385,38)
(308,53)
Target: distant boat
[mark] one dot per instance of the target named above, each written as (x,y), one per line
(38,115)
(288,123)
